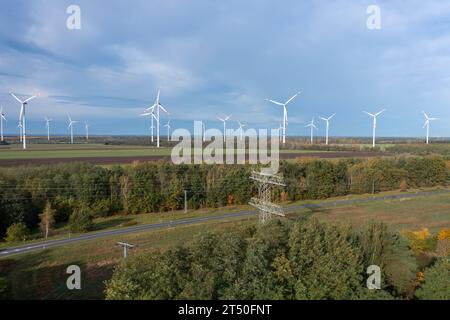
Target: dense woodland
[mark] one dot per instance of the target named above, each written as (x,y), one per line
(304,260)
(78,192)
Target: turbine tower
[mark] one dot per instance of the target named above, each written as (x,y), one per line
(241,126)
(22,116)
(427,123)
(312,126)
(285,117)
(71,123)
(47,123)
(86,127)
(2,117)
(167,125)
(327,120)
(224,120)
(20,131)
(374,116)
(204,131)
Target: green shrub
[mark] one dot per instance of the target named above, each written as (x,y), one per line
(80,220)
(17,232)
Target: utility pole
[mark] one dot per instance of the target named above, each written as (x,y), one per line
(125,247)
(263,203)
(185,201)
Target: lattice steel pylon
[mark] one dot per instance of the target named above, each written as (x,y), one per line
(263,203)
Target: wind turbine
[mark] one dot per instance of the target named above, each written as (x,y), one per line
(152,116)
(327,120)
(427,123)
(168,129)
(241,125)
(374,116)
(285,117)
(312,126)
(22,116)
(2,117)
(47,123)
(71,123)
(224,120)
(151,111)
(86,127)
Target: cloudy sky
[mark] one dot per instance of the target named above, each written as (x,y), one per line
(213,58)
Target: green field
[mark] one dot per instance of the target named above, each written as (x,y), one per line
(42,151)
(42,275)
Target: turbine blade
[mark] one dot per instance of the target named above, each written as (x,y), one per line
(276,102)
(330,117)
(379,112)
(370,114)
(15,97)
(162,108)
(30,98)
(292,98)
(151,108)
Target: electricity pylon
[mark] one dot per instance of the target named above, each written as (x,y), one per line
(125,247)
(263,203)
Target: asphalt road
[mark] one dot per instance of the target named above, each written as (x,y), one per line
(145,227)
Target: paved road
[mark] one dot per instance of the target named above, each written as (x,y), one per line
(108,233)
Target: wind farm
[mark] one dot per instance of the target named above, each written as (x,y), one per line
(228,151)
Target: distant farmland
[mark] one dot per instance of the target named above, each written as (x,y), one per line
(107,154)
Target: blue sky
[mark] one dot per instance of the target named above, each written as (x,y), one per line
(212,58)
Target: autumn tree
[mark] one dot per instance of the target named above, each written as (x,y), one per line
(47,219)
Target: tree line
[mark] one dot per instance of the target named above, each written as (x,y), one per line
(77,192)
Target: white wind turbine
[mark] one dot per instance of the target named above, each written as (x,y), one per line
(427,123)
(86,127)
(312,126)
(374,116)
(156,107)
(47,123)
(2,117)
(224,120)
(167,125)
(22,116)
(285,117)
(327,120)
(152,116)
(241,126)
(71,123)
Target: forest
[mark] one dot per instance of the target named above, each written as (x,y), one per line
(304,260)
(78,192)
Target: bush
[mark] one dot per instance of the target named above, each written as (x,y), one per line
(17,232)
(436,284)
(80,220)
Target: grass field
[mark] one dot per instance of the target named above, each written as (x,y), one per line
(43,151)
(42,275)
